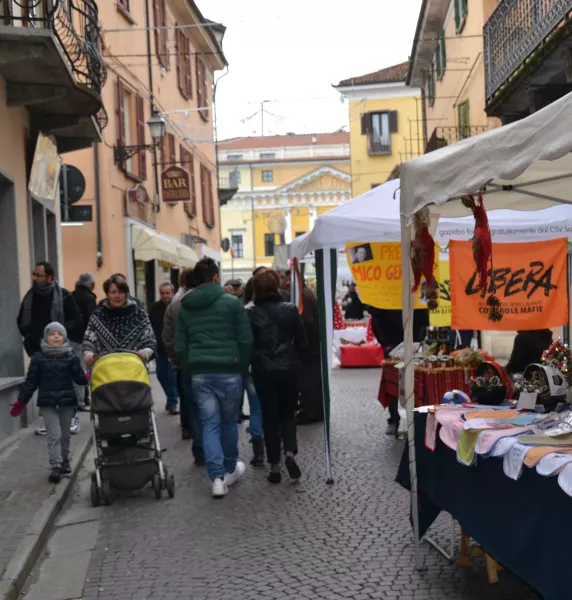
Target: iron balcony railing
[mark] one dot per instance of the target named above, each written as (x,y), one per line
(75,25)
(228,181)
(512,33)
(445,136)
(379,146)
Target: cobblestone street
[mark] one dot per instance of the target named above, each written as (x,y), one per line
(306,540)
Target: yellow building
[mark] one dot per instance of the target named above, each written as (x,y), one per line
(385,125)
(447,62)
(284,182)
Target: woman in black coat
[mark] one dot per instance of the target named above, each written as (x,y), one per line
(278,341)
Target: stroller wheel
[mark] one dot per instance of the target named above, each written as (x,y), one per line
(105,493)
(156,485)
(170,484)
(94,493)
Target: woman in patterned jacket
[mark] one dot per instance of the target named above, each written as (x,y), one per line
(118,325)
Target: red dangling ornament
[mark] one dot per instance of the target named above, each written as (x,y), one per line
(483,252)
(338,318)
(423,257)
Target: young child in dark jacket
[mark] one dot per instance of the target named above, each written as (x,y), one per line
(53,372)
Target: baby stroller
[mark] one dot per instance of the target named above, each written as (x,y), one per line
(128,452)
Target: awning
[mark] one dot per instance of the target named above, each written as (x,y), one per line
(149,245)
(187,256)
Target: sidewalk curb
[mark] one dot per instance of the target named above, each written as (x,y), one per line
(22,562)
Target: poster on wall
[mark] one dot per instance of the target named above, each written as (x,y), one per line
(376,269)
(442,316)
(530,282)
(44,177)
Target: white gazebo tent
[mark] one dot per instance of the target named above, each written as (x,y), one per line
(524,166)
(375,217)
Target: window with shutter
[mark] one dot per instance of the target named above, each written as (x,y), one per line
(393,121)
(461,8)
(202,92)
(463,111)
(124,4)
(140,120)
(431,87)
(161,35)
(365,123)
(188,70)
(187,162)
(204,198)
(120,113)
(440,57)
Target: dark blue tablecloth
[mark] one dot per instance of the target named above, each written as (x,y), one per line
(526,524)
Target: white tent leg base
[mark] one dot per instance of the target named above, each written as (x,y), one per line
(431,542)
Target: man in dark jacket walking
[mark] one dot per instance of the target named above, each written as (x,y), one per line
(213,342)
(165,373)
(44,303)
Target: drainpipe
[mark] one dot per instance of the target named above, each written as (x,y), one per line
(152,98)
(424,115)
(97,192)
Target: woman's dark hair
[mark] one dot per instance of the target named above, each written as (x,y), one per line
(189,279)
(205,271)
(118,281)
(266,285)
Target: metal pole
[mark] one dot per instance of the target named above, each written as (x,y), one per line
(253,227)
(66,197)
(152,100)
(262,119)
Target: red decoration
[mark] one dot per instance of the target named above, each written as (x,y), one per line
(369,335)
(338,318)
(423,257)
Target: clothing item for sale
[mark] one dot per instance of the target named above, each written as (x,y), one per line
(125,329)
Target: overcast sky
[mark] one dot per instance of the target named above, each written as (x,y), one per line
(292,52)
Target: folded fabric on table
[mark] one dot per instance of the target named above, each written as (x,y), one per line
(553,463)
(501,447)
(490,437)
(565,479)
(537,453)
(466,446)
(543,440)
(514,460)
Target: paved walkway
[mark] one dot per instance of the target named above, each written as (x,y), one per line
(24,485)
(306,540)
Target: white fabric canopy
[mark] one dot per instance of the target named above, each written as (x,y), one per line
(148,245)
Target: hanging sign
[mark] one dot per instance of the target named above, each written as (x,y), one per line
(175,185)
(442,316)
(530,282)
(376,269)
(45,173)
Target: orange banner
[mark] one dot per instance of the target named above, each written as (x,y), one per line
(530,282)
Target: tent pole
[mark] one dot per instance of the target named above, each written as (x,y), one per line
(322,322)
(409,384)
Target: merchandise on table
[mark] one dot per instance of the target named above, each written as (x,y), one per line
(490,385)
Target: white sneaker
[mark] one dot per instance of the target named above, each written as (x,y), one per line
(239,470)
(74,427)
(219,488)
(41,430)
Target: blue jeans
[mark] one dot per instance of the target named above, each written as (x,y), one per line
(190,416)
(255,408)
(218,397)
(167,378)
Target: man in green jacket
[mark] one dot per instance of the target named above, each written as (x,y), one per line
(213,342)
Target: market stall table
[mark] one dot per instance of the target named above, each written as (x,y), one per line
(430,384)
(523,524)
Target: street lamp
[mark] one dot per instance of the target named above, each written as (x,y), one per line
(157,129)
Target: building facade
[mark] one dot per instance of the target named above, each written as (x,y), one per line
(448,63)
(51,76)
(138,228)
(385,125)
(283,184)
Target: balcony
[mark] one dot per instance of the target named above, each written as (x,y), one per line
(523,43)
(227,185)
(378,147)
(50,58)
(445,136)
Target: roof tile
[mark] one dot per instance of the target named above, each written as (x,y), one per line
(392,74)
(281,141)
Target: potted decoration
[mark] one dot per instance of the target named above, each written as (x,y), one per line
(549,382)
(559,357)
(490,385)
(531,389)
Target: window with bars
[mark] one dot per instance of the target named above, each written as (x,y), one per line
(188,163)
(237,245)
(207,198)
(463,111)
(461,8)
(183,50)
(268,244)
(131,126)
(440,57)
(431,87)
(161,35)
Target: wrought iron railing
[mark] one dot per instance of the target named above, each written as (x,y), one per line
(444,136)
(75,24)
(379,147)
(513,31)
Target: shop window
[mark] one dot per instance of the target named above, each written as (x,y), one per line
(440,57)
(188,163)
(431,87)
(184,69)
(207,198)
(202,89)
(268,244)
(237,245)
(161,35)
(463,111)
(267,176)
(131,126)
(461,8)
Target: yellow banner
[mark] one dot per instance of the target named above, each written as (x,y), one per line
(376,269)
(442,316)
